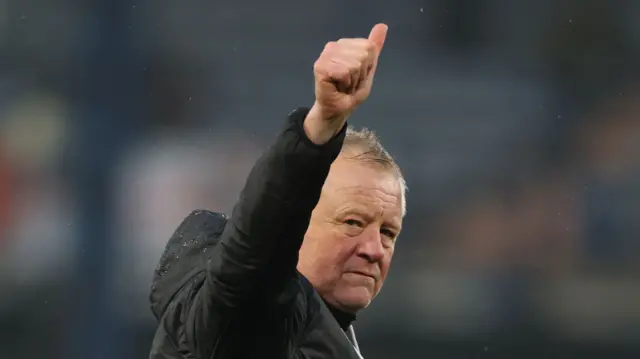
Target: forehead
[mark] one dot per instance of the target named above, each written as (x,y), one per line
(356,185)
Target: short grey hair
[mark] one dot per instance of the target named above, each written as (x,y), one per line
(364,145)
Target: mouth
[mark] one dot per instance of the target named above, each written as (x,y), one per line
(364,274)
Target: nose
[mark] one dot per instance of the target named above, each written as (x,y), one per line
(370,247)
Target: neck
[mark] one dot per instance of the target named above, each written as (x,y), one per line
(343,317)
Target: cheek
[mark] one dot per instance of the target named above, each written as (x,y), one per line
(385,265)
(335,251)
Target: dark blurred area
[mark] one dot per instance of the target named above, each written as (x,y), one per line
(517,124)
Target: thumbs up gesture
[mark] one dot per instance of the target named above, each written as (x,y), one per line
(343,78)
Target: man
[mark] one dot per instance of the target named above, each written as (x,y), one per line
(324,200)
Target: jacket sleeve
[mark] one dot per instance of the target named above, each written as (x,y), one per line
(258,249)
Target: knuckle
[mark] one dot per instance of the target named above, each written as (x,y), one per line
(330,45)
(369,46)
(318,64)
(322,67)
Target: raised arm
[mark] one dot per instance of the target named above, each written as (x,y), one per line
(258,249)
(269,221)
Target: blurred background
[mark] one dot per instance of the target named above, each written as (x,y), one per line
(517,124)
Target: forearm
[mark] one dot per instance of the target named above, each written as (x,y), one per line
(272,213)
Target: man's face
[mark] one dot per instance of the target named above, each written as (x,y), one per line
(348,246)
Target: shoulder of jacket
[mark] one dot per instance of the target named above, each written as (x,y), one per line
(183,256)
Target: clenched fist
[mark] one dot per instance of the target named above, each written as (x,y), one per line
(343,78)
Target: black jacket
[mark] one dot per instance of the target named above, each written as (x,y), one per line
(229,288)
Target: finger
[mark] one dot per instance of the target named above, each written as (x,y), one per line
(361,49)
(352,66)
(362,63)
(378,35)
(329,70)
(360,55)
(340,75)
(367,81)
(364,72)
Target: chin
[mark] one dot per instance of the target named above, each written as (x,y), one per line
(354,298)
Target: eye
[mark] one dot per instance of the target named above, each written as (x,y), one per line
(354,222)
(388,233)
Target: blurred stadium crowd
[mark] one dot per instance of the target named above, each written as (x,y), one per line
(517,124)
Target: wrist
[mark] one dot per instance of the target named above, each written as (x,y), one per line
(320,127)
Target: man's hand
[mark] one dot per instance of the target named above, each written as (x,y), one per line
(343,78)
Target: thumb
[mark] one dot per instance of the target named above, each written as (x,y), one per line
(378,35)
